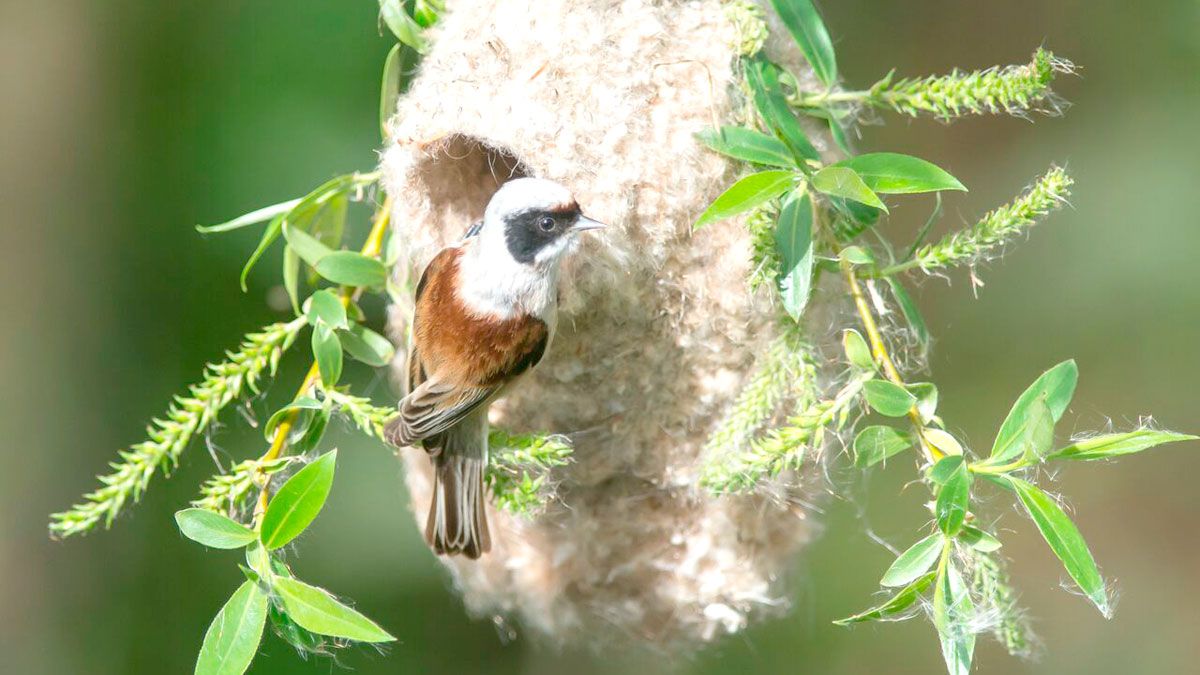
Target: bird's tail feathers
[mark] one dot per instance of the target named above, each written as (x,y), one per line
(457,522)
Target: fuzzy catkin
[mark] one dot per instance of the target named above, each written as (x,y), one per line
(658,330)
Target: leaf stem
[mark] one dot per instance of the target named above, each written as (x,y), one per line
(879,349)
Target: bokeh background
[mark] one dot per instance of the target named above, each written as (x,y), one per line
(126,122)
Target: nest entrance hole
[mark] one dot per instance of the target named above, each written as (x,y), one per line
(459,177)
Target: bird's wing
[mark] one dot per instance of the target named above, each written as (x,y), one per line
(433,407)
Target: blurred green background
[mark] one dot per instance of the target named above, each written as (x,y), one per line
(128,121)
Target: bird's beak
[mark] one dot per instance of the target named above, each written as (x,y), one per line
(584,224)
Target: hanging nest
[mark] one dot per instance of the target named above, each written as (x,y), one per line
(657,331)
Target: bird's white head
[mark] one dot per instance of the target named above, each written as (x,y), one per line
(536,219)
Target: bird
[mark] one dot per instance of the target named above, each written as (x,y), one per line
(486,313)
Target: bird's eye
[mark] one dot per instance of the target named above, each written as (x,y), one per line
(546,223)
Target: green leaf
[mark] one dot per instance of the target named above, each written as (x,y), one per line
(1114,445)
(952,614)
(944,468)
(748,145)
(897,604)
(233,636)
(298,502)
(773,108)
(838,134)
(308,247)
(327,351)
(915,562)
(892,173)
(953,498)
(258,559)
(325,306)
(747,193)
(1064,539)
(254,217)
(352,269)
(926,394)
(804,23)
(316,610)
(840,181)
(269,236)
(401,24)
(291,277)
(213,529)
(978,539)
(367,346)
(876,443)
(912,314)
(942,440)
(856,255)
(300,403)
(1057,386)
(857,351)
(888,398)
(314,431)
(389,89)
(793,239)
(1038,436)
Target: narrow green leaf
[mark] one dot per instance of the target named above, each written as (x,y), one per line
(367,346)
(978,539)
(953,498)
(314,431)
(893,173)
(912,313)
(252,218)
(1057,386)
(952,614)
(350,268)
(327,351)
(233,636)
(804,23)
(213,529)
(389,89)
(316,610)
(897,604)
(876,443)
(793,239)
(888,398)
(298,502)
(773,108)
(269,236)
(300,403)
(857,351)
(291,277)
(747,193)
(308,247)
(325,306)
(841,181)
(915,562)
(748,145)
(838,133)
(1114,445)
(401,24)
(1064,539)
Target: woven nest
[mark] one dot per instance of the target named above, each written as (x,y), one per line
(657,328)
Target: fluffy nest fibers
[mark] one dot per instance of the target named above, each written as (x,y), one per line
(657,328)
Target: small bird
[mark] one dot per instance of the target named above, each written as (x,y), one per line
(486,310)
